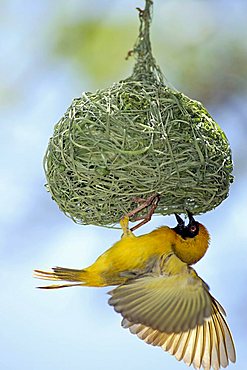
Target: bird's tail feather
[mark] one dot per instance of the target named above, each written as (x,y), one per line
(62,273)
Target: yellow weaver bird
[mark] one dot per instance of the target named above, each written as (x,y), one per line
(160,296)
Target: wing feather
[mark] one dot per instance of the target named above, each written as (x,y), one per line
(206,346)
(167,303)
(177,313)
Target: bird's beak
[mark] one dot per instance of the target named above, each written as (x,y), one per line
(191,218)
(180,221)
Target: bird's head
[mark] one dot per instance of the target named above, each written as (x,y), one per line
(187,231)
(193,239)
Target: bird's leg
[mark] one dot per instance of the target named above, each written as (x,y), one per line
(124,223)
(152,202)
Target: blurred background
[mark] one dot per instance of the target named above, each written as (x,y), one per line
(52,51)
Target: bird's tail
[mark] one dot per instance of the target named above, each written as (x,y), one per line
(78,277)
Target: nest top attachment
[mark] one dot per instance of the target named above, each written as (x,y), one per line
(133,139)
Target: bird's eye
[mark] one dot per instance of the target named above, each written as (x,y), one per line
(193,229)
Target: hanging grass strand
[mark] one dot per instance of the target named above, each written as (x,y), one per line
(145,68)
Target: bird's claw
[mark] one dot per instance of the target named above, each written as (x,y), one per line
(152,202)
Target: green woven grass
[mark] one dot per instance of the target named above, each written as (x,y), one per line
(133,139)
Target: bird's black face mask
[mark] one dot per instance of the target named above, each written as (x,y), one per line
(189,231)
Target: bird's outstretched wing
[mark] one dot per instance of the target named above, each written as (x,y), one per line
(208,346)
(171,307)
(168,303)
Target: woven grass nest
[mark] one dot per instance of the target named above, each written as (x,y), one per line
(132,140)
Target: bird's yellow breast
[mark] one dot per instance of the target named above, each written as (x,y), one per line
(134,252)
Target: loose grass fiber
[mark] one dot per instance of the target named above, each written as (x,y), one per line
(136,138)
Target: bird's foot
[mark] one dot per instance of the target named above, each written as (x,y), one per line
(151,202)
